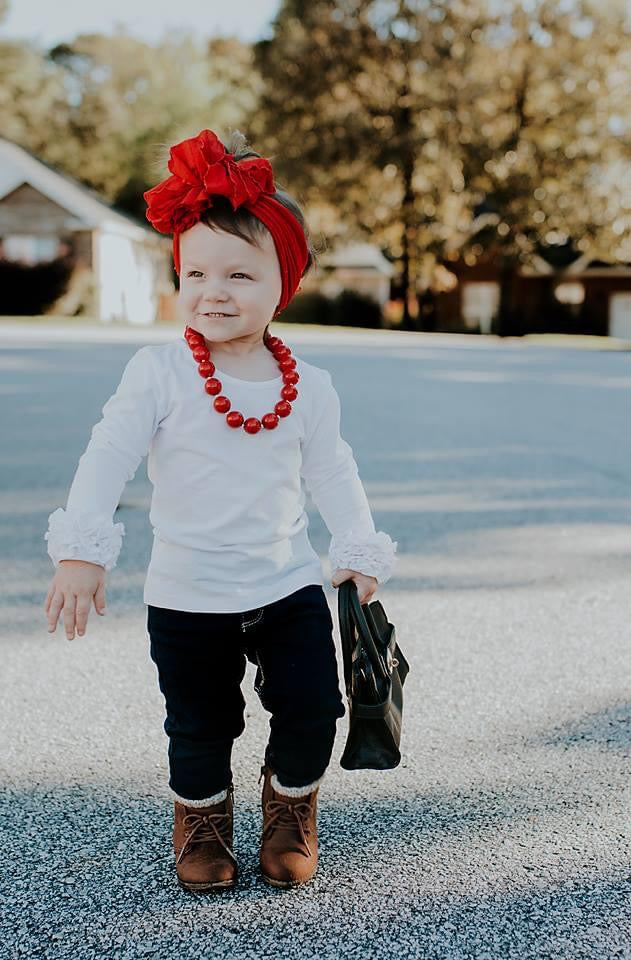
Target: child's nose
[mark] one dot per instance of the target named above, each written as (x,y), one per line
(214,293)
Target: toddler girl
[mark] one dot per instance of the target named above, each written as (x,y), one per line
(232,424)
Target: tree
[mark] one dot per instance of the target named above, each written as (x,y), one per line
(128,101)
(441,128)
(352,106)
(105,109)
(32,96)
(541,139)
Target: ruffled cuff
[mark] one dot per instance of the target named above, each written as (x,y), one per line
(82,537)
(371,554)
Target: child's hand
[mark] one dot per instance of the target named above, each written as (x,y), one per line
(75,584)
(366,586)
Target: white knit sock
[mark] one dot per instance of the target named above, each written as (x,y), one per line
(294,791)
(209,802)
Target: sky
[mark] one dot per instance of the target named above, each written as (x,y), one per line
(48,23)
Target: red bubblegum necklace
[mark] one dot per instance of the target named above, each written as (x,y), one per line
(221,403)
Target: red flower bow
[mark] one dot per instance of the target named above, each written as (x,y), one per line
(201,167)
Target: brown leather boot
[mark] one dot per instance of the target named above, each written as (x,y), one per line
(202,840)
(289,845)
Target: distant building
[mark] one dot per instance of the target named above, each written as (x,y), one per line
(45,215)
(360,266)
(580,296)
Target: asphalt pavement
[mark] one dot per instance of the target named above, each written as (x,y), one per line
(503,470)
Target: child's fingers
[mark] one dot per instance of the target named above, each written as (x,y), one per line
(82,611)
(54,610)
(99,599)
(70,607)
(49,597)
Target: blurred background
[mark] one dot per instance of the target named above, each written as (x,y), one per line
(464,166)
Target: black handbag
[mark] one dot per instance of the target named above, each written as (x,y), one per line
(374,673)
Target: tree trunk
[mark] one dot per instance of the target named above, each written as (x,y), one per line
(504,320)
(406,321)
(410,319)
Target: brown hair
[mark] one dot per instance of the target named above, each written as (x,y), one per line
(240,222)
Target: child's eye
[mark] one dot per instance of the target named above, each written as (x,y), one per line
(198,273)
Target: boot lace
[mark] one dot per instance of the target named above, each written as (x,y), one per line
(288,816)
(200,828)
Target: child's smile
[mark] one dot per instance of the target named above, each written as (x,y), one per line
(229,288)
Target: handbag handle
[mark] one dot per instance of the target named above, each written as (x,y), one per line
(362,616)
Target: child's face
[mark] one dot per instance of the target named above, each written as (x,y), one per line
(221,273)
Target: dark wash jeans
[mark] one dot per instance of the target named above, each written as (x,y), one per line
(201,660)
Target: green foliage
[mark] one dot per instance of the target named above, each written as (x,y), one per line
(444,129)
(355,309)
(105,109)
(309,307)
(347,309)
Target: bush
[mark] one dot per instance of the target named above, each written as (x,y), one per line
(29,290)
(347,309)
(309,307)
(357,310)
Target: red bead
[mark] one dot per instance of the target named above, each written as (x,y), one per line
(234,419)
(212,386)
(270,421)
(206,368)
(221,404)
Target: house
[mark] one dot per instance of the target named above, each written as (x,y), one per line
(360,266)
(558,291)
(119,264)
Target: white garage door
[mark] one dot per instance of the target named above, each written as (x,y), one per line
(620,316)
(480,301)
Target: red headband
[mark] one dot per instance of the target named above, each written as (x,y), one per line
(201,168)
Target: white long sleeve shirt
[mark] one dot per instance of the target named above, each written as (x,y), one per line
(228,508)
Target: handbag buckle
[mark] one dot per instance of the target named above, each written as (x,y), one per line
(391,661)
